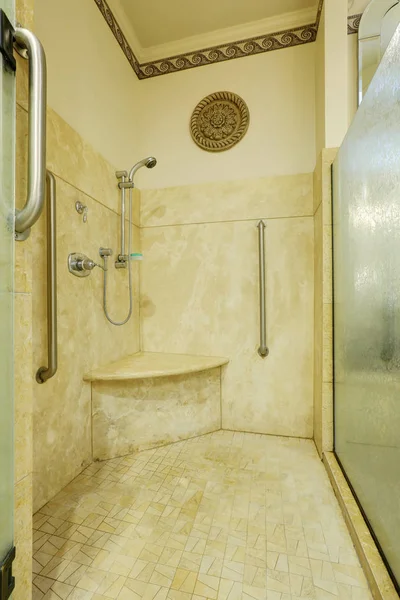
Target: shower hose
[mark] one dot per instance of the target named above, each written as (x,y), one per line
(119,323)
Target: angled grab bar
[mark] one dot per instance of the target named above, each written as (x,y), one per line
(32,210)
(263,349)
(45,373)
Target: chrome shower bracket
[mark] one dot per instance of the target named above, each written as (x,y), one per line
(121,262)
(21,237)
(105,253)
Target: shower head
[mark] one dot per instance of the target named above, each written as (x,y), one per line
(151,162)
(148,162)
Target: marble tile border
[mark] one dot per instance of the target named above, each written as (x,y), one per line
(249,199)
(287,38)
(323,371)
(381,585)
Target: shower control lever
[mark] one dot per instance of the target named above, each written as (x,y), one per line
(81,265)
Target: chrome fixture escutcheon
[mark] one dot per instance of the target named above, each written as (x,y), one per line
(81,265)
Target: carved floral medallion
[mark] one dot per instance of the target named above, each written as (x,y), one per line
(219,121)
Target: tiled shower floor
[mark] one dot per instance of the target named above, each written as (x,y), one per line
(222,516)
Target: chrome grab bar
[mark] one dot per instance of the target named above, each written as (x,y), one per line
(45,373)
(263,350)
(32,210)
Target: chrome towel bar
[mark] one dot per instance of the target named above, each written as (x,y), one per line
(263,349)
(45,373)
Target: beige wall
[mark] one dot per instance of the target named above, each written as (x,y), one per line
(335,75)
(199,292)
(90,83)
(336,78)
(94,89)
(320,86)
(352,72)
(279,90)
(62,406)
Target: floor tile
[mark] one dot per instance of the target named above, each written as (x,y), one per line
(226,516)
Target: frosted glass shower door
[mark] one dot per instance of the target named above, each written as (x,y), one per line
(366,238)
(7,133)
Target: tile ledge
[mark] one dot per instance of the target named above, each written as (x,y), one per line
(144,365)
(379,580)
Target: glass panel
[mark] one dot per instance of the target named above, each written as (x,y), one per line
(377,26)
(7,133)
(389,25)
(366,234)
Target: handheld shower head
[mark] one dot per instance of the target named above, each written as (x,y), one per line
(148,162)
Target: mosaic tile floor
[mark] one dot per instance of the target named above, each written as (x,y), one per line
(224,516)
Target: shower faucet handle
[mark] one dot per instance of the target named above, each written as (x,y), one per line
(81,265)
(87,264)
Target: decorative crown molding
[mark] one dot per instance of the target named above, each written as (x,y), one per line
(286,38)
(353,24)
(216,54)
(319,12)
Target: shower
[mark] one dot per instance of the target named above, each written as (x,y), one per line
(148,162)
(124,260)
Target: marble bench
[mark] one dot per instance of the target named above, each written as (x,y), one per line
(150,399)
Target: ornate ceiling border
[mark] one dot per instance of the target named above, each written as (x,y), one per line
(249,47)
(287,38)
(353,24)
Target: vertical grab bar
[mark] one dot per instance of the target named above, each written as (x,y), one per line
(45,373)
(263,350)
(29,46)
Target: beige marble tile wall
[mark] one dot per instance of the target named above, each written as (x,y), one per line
(62,406)
(23,401)
(23,384)
(199,292)
(323,366)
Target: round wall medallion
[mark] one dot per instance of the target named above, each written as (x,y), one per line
(219,121)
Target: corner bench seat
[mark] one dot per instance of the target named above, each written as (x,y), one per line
(151,399)
(154,364)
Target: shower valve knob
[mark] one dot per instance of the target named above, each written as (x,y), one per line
(80,265)
(85,265)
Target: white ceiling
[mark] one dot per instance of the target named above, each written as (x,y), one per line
(357,6)
(158,22)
